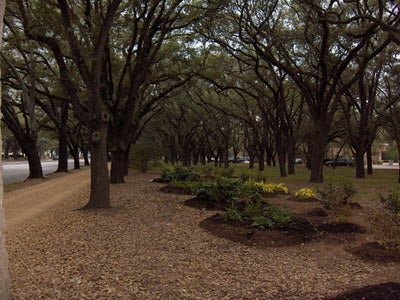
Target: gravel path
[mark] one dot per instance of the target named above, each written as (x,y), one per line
(149,246)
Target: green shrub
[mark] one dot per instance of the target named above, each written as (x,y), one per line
(223,172)
(142,156)
(334,194)
(335,197)
(260,215)
(204,190)
(167,174)
(392,202)
(226,190)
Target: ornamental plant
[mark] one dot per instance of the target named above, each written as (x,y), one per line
(305,194)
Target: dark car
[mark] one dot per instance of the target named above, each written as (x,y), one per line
(340,161)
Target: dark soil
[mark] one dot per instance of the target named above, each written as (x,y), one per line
(300,232)
(200,203)
(318,212)
(383,291)
(338,228)
(295,199)
(160,180)
(375,252)
(172,190)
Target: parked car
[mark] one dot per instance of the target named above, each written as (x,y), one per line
(298,161)
(340,161)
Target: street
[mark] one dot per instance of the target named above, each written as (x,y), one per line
(18,171)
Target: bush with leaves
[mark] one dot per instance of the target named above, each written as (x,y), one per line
(335,198)
(388,221)
(260,215)
(305,194)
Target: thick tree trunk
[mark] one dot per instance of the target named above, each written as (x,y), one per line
(35,165)
(360,170)
(77,165)
(317,155)
(369,161)
(4,275)
(100,182)
(62,152)
(118,161)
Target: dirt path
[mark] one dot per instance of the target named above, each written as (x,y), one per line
(23,204)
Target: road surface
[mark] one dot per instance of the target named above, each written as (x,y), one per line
(23,204)
(18,171)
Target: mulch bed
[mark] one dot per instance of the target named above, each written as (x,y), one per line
(172,190)
(300,232)
(383,291)
(200,203)
(375,252)
(295,199)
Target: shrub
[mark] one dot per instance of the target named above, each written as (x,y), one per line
(141,156)
(223,172)
(167,174)
(387,221)
(392,202)
(260,215)
(335,197)
(188,174)
(226,190)
(333,194)
(305,194)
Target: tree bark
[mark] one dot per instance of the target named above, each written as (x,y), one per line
(318,153)
(62,151)
(360,170)
(118,161)
(369,161)
(85,154)
(35,166)
(4,275)
(99,185)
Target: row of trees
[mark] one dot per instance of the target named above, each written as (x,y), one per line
(201,79)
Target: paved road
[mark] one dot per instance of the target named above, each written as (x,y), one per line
(18,171)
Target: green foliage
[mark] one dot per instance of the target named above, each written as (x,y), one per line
(204,190)
(244,176)
(337,194)
(335,197)
(180,173)
(167,174)
(260,215)
(392,202)
(226,190)
(142,156)
(223,172)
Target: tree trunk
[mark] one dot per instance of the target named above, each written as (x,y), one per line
(118,160)
(77,165)
(369,161)
(100,182)
(35,166)
(85,154)
(291,157)
(360,170)
(4,275)
(317,155)
(261,159)
(62,152)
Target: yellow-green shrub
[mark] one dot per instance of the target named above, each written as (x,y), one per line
(305,194)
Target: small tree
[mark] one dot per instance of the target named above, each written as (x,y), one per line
(142,154)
